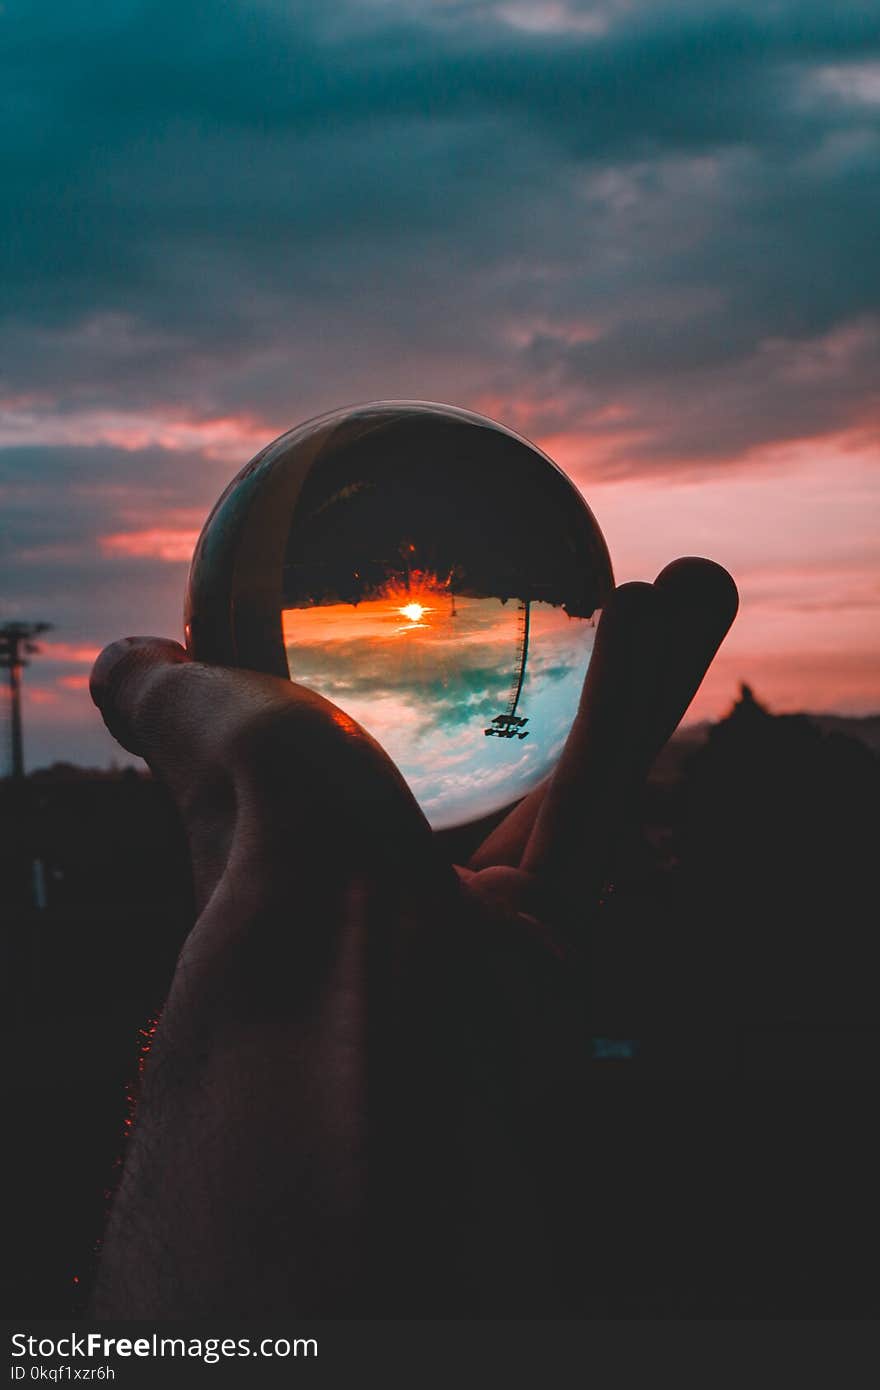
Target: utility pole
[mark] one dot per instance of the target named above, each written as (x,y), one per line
(20,945)
(16,639)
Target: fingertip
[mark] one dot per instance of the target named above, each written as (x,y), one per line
(636,594)
(118,678)
(631,609)
(703,583)
(121,656)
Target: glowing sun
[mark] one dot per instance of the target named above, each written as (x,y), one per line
(413,611)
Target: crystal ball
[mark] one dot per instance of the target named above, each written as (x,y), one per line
(430,572)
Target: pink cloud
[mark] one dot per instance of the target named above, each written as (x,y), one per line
(226,437)
(77,653)
(796,526)
(156,543)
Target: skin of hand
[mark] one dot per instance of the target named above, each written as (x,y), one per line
(339,1113)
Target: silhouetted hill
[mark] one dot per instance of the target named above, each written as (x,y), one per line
(670,764)
(866,729)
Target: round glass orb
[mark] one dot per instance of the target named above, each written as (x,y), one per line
(429,571)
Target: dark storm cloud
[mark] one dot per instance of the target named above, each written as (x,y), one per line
(280,206)
(59,507)
(648,227)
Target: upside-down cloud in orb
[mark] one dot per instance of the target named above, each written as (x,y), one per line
(429,571)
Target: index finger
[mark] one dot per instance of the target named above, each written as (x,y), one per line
(654,644)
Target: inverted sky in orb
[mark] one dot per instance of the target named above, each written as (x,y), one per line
(441,692)
(430,572)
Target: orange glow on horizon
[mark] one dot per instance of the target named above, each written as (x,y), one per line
(412,598)
(420,606)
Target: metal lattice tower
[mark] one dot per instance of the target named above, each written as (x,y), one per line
(510,724)
(522,652)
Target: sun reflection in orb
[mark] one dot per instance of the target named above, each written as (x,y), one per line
(413,611)
(416,597)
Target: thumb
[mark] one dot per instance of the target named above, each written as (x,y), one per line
(121,680)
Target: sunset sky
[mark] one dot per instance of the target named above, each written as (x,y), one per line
(644,234)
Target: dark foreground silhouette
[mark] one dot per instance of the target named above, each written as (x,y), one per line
(706,1149)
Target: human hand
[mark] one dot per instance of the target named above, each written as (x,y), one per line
(352,1023)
